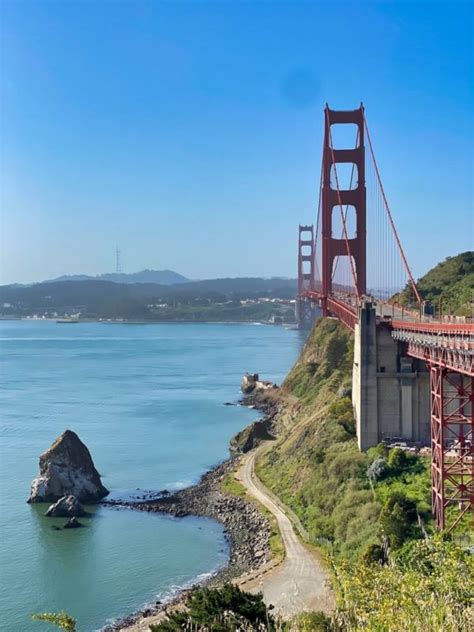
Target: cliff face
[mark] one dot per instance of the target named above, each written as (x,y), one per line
(251,436)
(66,468)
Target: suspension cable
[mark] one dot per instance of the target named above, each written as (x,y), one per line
(354,276)
(387,208)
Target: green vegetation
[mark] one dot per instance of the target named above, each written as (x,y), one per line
(233,487)
(370,512)
(324,364)
(448,287)
(220,610)
(428,588)
(61,620)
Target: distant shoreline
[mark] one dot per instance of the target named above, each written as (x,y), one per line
(151,322)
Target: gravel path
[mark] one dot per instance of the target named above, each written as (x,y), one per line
(300,582)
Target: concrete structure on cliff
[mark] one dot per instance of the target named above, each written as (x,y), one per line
(390,390)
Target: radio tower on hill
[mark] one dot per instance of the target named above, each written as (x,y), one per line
(118,262)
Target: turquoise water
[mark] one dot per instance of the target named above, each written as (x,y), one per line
(148,402)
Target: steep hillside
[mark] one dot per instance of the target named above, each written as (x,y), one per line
(449,286)
(370,512)
(315,466)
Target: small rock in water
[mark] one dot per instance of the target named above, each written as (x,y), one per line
(66,507)
(66,468)
(73,523)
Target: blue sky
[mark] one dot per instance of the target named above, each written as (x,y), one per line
(190,133)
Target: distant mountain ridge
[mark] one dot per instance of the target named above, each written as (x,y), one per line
(161,277)
(237,299)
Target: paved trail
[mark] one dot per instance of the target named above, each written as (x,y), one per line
(299,583)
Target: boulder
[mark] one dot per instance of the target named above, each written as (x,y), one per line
(67,469)
(73,523)
(66,507)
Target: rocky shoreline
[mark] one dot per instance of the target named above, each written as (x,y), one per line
(246,529)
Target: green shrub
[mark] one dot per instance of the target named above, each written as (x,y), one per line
(219,609)
(373,554)
(377,469)
(429,590)
(61,620)
(379,451)
(398,520)
(397,459)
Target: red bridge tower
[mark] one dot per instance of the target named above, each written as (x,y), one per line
(305,310)
(333,200)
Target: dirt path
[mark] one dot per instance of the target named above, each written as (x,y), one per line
(299,583)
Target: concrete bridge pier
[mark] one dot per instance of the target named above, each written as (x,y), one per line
(390,390)
(306,314)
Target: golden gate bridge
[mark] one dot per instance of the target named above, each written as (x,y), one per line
(413,374)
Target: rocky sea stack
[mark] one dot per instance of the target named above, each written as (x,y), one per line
(67,469)
(251,383)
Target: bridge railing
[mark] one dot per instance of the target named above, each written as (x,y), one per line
(435,327)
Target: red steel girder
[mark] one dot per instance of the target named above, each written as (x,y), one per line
(450,329)
(448,345)
(452,437)
(346,313)
(452,359)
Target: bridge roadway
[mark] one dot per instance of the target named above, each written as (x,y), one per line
(444,343)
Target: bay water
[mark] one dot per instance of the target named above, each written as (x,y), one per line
(147,400)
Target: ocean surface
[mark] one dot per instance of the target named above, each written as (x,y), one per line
(147,400)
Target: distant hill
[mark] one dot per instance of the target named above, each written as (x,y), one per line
(98,298)
(450,285)
(162,277)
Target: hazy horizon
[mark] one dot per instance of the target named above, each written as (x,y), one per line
(132,272)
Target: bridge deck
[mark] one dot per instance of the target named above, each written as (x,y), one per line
(439,342)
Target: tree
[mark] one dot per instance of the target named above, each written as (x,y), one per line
(60,619)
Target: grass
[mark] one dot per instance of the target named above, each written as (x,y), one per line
(233,487)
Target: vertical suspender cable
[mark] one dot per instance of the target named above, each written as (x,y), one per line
(390,218)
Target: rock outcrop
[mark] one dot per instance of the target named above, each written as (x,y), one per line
(66,469)
(66,507)
(251,383)
(251,436)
